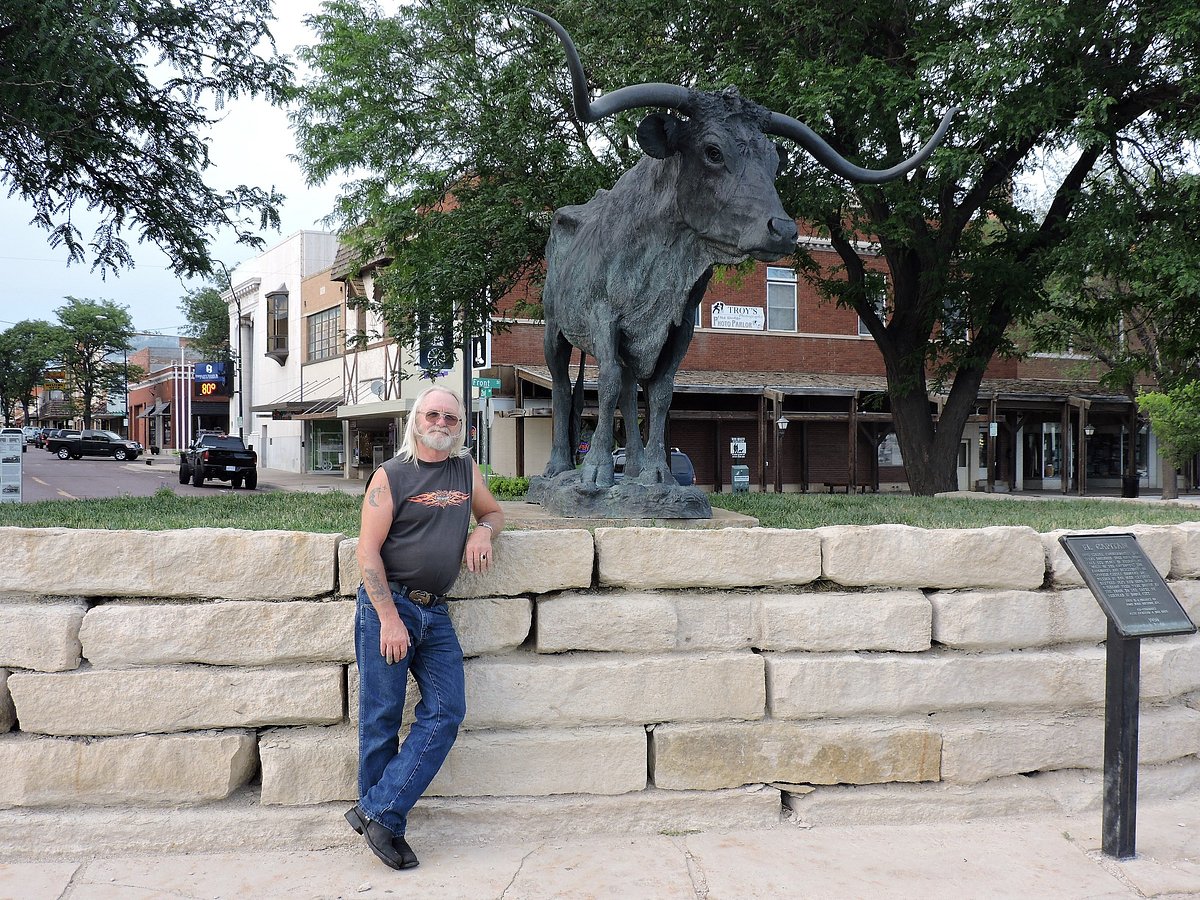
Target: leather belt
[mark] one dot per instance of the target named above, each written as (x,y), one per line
(421,598)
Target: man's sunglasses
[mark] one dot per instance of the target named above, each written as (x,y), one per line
(433,415)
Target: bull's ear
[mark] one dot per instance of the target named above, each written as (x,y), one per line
(783,158)
(658,135)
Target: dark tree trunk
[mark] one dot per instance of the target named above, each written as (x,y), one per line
(1170,488)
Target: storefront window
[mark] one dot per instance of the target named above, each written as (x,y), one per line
(327,452)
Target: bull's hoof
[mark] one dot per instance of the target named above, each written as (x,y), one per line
(656,473)
(600,476)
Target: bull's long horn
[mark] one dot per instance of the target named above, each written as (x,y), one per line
(632,97)
(786,126)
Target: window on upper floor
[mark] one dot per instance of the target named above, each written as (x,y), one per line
(277,324)
(323,334)
(956,322)
(878,292)
(781,299)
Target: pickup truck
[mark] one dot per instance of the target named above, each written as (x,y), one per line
(93,442)
(222,457)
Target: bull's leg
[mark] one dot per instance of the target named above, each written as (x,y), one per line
(598,464)
(634,455)
(558,358)
(657,469)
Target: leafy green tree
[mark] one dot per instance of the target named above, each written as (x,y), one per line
(105,105)
(94,330)
(1125,288)
(26,351)
(207,328)
(1175,418)
(454,121)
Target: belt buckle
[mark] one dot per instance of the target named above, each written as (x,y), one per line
(423,598)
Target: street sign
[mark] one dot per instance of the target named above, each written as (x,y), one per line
(481,352)
(489,383)
(485,392)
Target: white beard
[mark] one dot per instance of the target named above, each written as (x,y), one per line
(437,442)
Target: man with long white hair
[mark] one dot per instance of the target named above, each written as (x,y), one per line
(412,543)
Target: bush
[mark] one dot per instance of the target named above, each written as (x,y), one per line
(505,488)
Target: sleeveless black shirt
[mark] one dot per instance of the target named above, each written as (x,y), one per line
(431,505)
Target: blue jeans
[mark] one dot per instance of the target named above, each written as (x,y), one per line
(392,777)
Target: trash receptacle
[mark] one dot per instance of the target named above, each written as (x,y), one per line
(1130,485)
(741,479)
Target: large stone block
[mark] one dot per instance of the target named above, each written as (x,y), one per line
(870,620)
(648,622)
(629,623)
(1185,551)
(1170,667)
(994,620)
(319,765)
(491,624)
(598,689)
(717,621)
(40,636)
(544,761)
(178,698)
(301,766)
(8,713)
(729,754)
(1157,541)
(526,562)
(978,750)
(173,770)
(190,562)
(906,557)
(644,558)
(812,686)
(234,633)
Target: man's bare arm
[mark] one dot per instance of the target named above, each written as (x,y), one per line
(377,515)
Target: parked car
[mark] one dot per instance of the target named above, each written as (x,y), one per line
(681,466)
(93,442)
(19,433)
(30,433)
(43,435)
(222,457)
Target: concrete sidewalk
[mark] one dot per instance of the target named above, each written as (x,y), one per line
(1043,857)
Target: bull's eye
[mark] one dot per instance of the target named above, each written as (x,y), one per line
(713,154)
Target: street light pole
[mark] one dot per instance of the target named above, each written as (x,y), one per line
(128,429)
(237,302)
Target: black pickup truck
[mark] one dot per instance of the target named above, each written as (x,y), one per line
(222,457)
(93,442)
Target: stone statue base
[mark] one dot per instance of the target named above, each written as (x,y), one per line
(566,495)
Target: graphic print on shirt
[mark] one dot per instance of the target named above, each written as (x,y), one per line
(441,499)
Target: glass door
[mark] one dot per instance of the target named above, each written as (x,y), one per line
(1052,458)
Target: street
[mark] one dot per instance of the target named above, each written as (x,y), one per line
(46,477)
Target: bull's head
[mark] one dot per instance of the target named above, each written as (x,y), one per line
(722,149)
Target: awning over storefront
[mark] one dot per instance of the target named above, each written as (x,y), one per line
(314,400)
(159,408)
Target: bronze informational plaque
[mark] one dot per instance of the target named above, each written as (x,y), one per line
(1125,583)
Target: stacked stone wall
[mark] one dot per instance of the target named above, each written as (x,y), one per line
(653,678)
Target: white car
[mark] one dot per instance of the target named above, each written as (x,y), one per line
(30,432)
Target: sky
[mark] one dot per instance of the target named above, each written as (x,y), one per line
(249,146)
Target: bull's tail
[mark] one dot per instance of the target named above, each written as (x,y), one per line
(577,406)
